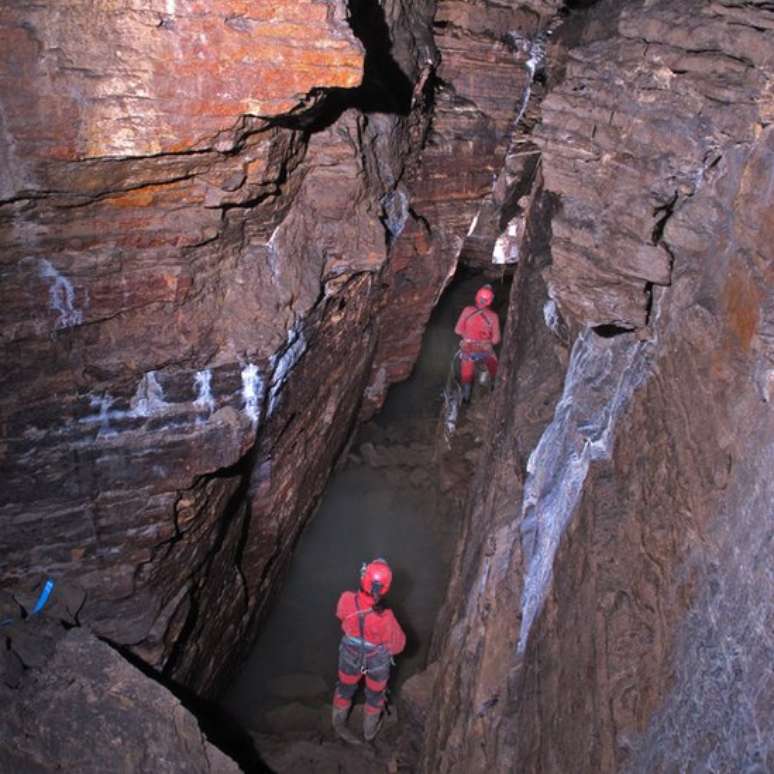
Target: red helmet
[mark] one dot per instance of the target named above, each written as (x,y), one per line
(376,578)
(484,296)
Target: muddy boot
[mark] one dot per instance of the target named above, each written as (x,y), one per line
(371,725)
(466,390)
(339,720)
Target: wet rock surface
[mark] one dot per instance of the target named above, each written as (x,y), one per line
(474,83)
(236,218)
(159,289)
(147,78)
(399,495)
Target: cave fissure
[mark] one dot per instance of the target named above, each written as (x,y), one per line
(384,500)
(223,237)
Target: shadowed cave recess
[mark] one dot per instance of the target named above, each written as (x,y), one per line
(235,240)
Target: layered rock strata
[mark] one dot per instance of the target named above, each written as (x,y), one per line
(218,228)
(476,83)
(73,702)
(164,273)
(596,631)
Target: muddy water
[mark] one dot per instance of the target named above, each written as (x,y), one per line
(383,502)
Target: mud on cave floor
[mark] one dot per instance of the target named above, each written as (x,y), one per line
(399,494)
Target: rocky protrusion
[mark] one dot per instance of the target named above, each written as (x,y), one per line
(78,705)
(647,651)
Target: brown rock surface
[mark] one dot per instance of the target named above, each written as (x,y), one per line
(477,82)
(84,708)
(222,223)
(155,304)
(175,250)
(139,79)
(617,616)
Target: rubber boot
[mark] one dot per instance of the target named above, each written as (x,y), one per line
(371,725)
(339,720)
(466,390)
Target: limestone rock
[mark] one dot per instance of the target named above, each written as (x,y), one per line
(139,79)
(605,613)
(630,135)
(478,82)
(87,709)
(170,255)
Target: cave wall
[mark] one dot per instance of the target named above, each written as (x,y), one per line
(176,245)
(473,83)
(223,229)
(608,610)
(222,224)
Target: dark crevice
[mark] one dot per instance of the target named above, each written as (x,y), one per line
(235,508)
(579,5)
(217,724)
(663,213)
(609,330)
(648,302)
(385,88)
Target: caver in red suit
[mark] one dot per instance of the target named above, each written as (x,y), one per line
(479,328)
(372,636)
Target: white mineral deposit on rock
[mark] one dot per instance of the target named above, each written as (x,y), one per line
(285,363)
(601,378)
(551,315)
(149,397)
(396,211)
(506,249)
(103,415)
(203,384)
(252,389)
(61,296)
(537,55)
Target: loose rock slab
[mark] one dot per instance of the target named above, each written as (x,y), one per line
(89,710)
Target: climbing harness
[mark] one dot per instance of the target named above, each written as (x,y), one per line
(480,311)
(45,593)
(365,649)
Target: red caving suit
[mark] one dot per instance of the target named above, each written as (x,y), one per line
(480,331)
(371,638)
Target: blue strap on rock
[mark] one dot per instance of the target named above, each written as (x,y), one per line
(43,598)
(45,593)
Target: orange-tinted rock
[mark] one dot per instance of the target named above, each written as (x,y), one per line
(156,302)
(137,80)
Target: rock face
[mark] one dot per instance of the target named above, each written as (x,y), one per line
(223,228)
(219,226)
(609,610)
(170,256)
(147,78)
(76,685)
(476,82)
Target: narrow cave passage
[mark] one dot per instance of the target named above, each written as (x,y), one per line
(387,499)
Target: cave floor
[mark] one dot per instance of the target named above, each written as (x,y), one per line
(389,498)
